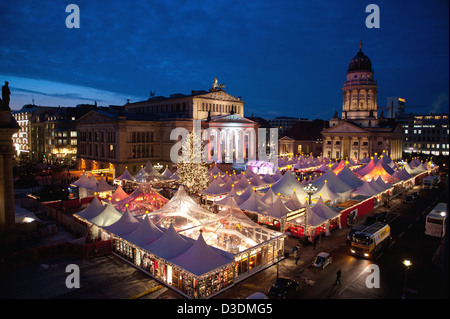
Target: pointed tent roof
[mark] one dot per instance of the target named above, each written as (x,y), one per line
(124,226)
(102,186)
(366,190)
(268,179)
(277,175)
(118,195)
(326,192)
(242,183)
(294,202)
(167,172)
(314,220)
(339,167)
(366,169)
(379,181)
(181,204)
(409,169)
(376,187)
(350,178)
(254,204)
(145,234)
(256,181)
(170,245)
(379,170)
(125,176)
(419,169)
(286,184)
(324,211)
(215,171)
(247,193)
(269,198)
(94,209)
(214,189)
(276,210)
(107,217)
(225,201)
(248,172)
(81,181)
(334,183)
(91,183)
(201,258)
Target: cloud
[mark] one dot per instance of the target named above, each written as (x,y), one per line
(25,90)
(439,103)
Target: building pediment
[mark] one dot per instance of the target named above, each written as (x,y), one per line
(94,117)
(219,95)
(345,127)
(231,118)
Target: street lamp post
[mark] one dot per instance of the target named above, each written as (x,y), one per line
(407,263)
(310,189)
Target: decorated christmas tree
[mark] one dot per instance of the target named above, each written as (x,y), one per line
(192,170)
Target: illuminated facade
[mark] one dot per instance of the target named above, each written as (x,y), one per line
(140,132)
(359,131)
(426,134)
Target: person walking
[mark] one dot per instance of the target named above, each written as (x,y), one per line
(296,256)
(338,277)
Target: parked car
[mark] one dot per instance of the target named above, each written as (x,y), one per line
(415,195)
(381,216)
(409,200)
(283,288)
(257,295)
(322,260)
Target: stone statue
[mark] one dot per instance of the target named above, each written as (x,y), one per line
(5,96)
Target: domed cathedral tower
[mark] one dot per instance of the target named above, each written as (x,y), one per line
(359,132)
(360,92)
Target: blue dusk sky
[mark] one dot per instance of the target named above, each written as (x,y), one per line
(284,58)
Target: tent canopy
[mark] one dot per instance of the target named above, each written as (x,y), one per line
(94,209)
(124,226)
(145,234)
(107,217)
(170,245)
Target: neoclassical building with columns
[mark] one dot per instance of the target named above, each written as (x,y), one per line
(112,139)
(359,131)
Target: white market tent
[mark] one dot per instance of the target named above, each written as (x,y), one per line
(294,203)
(247,193)
(285,185)
(380,182)
(170,245)
(365,189)
(107,217)
(337,185)
(214,189)
(102,186)
(366,169)
(325,212)
(126,176)
(145,234)
(254,204)
(124,226)
(201,258)
(349,178)
(268,179)
(277,210)
(327,194)
(269,198)
(118,195)
(181,212)
(81,181)
(376,186)
(94,209)
(379,170)
(167,172)
(232,231)
(224,201)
